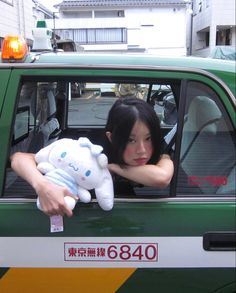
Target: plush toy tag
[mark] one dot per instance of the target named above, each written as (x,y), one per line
(56,224)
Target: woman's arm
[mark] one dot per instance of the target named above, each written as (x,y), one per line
(51,196)
(158,175)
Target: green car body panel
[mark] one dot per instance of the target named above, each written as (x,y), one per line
(132,220)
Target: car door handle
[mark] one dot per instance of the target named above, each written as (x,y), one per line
(219,241)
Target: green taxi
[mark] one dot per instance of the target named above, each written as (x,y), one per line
(177,239)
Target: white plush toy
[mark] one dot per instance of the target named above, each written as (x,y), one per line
(80,166)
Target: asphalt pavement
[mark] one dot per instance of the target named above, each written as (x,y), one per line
(89,110)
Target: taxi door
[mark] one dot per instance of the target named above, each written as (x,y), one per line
(4,80)
(182,242)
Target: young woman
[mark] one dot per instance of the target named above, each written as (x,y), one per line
(133,149)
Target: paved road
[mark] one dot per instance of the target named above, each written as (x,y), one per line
(91,110)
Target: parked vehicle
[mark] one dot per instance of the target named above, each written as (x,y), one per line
(177,239)
(224,52)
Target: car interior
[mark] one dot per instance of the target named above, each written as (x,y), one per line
(60,109)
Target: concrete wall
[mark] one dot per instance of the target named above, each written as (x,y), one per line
(219,14)
(154,30)
(16,18)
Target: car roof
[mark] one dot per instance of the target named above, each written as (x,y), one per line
(223,69)
(132,59)
(86,58)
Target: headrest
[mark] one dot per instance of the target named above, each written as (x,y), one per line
(51,110)
(202,114)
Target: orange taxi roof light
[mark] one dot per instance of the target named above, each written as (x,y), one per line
(14,48)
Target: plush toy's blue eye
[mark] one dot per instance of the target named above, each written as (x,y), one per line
(63,155)
(87,173)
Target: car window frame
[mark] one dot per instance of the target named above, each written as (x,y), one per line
(214,79)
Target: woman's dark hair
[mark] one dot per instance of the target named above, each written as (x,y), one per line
(121,119)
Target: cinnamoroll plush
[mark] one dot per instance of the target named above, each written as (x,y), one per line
(80,166)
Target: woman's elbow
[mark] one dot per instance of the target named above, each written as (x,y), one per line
(163,182)
(14,159)
(164,179)
(20,158)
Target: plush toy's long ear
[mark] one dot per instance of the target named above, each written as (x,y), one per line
(42,155)
(94,148)
(102,161)
(84,142)
(105,193)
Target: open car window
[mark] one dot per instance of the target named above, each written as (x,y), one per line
(70,109)
(50,110)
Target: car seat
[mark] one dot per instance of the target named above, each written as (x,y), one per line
(49,128)
(207,149)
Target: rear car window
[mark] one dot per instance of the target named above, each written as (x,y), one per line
(207,156)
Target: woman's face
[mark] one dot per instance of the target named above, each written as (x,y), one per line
(139,149)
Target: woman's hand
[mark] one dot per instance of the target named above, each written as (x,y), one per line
(51,196)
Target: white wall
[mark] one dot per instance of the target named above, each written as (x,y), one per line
(155,30)
(219,13)
(223,12)
(16,18)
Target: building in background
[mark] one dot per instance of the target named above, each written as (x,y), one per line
(150,26)
(19,17)
(213,24)
(40,12)
(164,27)
(16,18)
